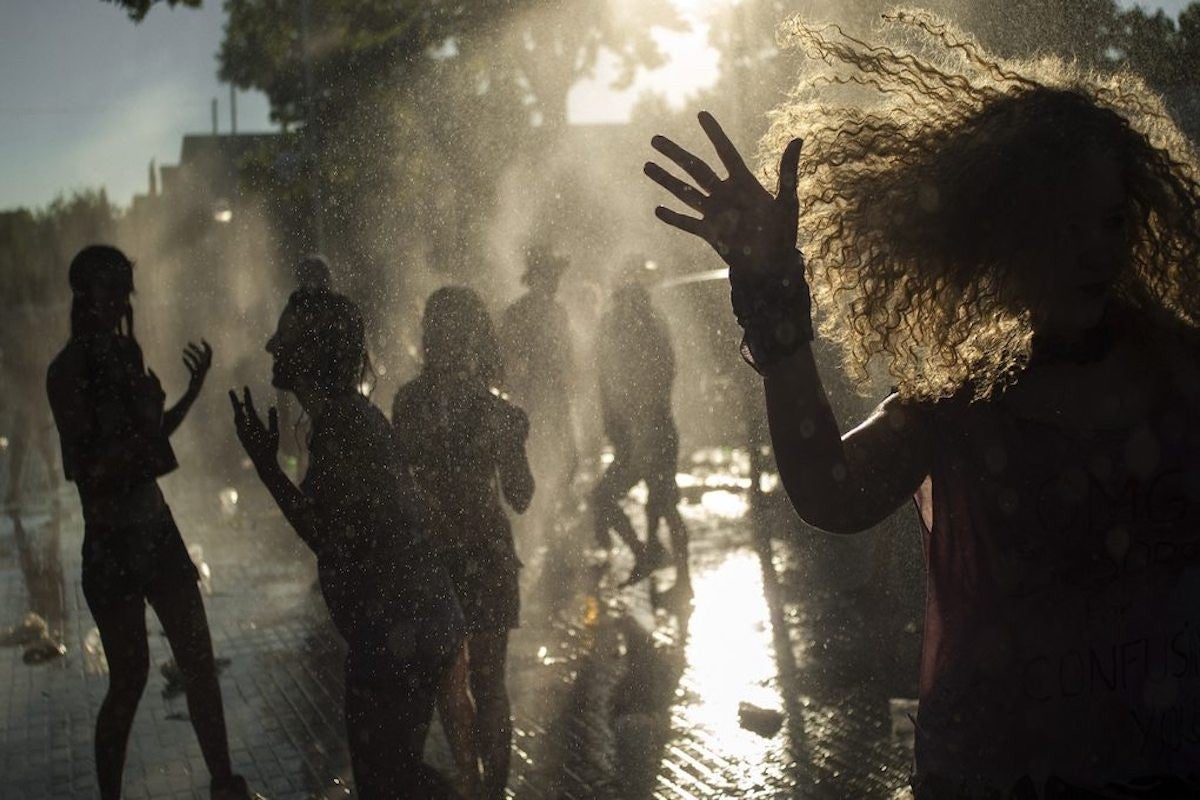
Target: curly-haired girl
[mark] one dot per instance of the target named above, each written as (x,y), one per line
(1016,246)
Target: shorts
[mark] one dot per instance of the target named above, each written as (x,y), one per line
(131,562)
(487,589)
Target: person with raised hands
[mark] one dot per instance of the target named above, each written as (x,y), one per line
(115,433)
(1016,246)
(357,509)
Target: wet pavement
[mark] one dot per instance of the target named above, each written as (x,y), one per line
(616,693)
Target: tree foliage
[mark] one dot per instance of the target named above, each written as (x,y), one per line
(37,245)
(335,52)
(411,110)
(138,9)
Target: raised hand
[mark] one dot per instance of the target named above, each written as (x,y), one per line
(260,441)
(198,360)
(751,229)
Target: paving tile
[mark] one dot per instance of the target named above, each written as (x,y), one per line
(612,696)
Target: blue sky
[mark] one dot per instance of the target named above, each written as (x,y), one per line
(87,98)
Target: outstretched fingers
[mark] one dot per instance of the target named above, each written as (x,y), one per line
(249,425)
(686,193)
(690,163)
(248,402)
(789,167)
(683,222)
(239,413)
(198,355)
(726,151)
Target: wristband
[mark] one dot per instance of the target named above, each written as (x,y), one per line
(775,312)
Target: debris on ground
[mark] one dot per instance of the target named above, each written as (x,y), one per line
(26,632)
(765,722)
(44,648)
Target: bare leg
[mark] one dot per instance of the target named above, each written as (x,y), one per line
(123,632)
(181,611)
(388,708)
(489,653)
(607,515)
(679,547)
(656,554)
(456,707)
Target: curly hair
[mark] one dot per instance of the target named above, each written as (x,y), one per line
(459,335)
(925,190)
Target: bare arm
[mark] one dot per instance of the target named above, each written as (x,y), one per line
(298,509)
(197,360)
(840,484)
(261,443)
(516,478)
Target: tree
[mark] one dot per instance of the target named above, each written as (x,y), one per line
(411,110)
(331,52)
(36,245)
(138,9)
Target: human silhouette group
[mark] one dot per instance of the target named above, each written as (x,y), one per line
(1015,246)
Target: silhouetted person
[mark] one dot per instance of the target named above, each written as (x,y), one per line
(389,597)
(311,274)
(636,370)
(115,434)
(539,377)
(1018,250)
(466,445)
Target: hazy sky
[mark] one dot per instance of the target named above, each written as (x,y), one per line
(87,98)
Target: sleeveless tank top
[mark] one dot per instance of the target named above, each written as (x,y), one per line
(1062,631)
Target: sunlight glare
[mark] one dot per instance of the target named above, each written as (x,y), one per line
(731,656)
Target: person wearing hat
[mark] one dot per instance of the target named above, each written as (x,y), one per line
(539,372)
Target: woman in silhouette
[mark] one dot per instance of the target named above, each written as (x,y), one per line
(115,435)
(1017,247)
(466,445)
(356,508)
(636,370)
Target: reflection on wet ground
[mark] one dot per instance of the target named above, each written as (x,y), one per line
(617,694)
